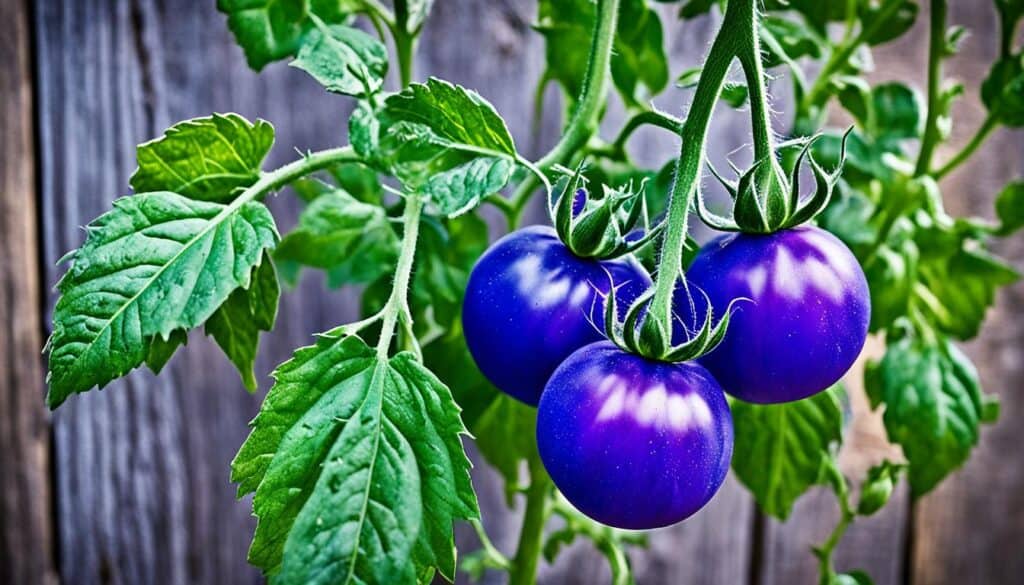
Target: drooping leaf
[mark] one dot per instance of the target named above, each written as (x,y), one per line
(898,112)
(343,59)
(933,405)
(442,141)
(236,325)
(269,30)
(156,263)
(1003,91)
(639,56)
(353,241)
(885,20)
(358,469)
(207,159)
(782,449)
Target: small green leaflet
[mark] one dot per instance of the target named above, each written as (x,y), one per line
(781,449)
(206,159)
(933,405)
(353,241)
(268,30)
(358,469)
(156,263)
(441,140)
(238,322)
(878,487)
(343,59)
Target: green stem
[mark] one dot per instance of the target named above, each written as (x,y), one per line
(990,124)
(585,119)
(310,163)
(531,535)
(398,302)
(493,556)
(738,15)
(617,149)
(936,48)
(748,51)
(846,516)
(405,42)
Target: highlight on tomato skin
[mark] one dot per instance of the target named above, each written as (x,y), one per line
(634,443)
(530,303)
(805,324)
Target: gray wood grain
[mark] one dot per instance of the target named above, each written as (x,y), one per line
(26,540)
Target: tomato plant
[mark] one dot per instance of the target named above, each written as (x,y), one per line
(356,460)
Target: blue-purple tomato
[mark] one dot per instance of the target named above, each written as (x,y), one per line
(530,302)
(806,321)
(634,443)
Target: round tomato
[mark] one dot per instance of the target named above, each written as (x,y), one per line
(806,319)
(634,443)
(530,302)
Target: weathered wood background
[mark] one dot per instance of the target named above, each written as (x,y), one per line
(130,485)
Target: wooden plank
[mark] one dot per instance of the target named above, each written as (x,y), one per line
(26,542)
(969,529)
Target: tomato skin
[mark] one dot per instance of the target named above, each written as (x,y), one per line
(530,302)
(634,443)
(807,320)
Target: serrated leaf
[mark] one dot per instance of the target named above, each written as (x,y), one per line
(933,405)
(781,449)
(343,59)
(353,241)
(207,159)
(1010,207)
(442,141)
(269,30)
(357,467)
(156,263)
(237,324)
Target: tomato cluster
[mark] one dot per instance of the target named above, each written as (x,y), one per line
(636,442)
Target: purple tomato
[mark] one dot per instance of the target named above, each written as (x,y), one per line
(634,443)
(530,302)
(807,319)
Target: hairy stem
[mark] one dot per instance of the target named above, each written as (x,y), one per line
(936,46)
(692,153)
(531,535)
(587,115)
(647,117)
(398,302)
(990,124)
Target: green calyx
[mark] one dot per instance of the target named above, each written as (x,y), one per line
(600,227)
(638,333)
(767,200)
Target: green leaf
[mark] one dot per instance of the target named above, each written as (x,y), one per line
(933,405)
(781,449)
(795,40)
(734,94)
(442,141)
(156,263)
(236,325)
(567,27)
(885,20)
(343,59)
(358,469)
(694,8)
(418,11)
(959,276)
(207,159)
(1003,91)
(353,241)
(878,487)
(899,112)
(1010,207)
(639,52)
(269,30)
